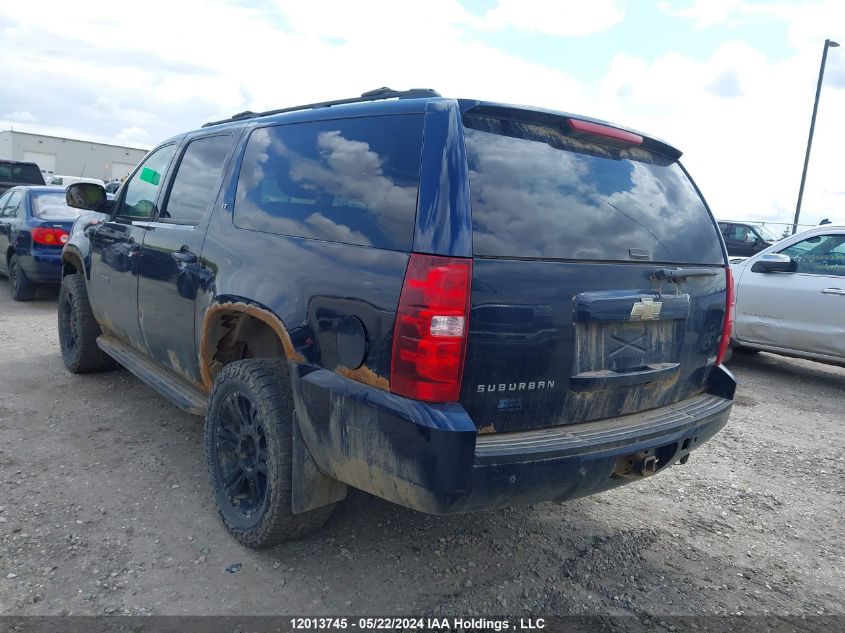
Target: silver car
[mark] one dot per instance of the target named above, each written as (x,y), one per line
(790,297)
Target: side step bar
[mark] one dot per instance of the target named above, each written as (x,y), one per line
(185,395)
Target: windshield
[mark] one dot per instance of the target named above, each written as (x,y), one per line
(52,205)
(537,193)
(767,234)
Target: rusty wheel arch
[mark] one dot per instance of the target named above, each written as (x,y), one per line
(231,331)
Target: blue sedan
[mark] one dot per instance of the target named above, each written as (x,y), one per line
(34,225)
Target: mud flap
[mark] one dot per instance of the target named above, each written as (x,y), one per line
(310,488)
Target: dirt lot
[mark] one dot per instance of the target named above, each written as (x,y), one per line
(106,509)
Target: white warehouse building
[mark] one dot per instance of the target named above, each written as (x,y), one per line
(70,157)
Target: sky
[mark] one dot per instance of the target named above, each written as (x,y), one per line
(730,83)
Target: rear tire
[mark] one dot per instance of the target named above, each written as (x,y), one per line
(20,287)
(78,330)
(249,450)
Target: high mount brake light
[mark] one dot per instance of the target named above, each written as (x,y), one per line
(429,340)
(589,130)
(727,324)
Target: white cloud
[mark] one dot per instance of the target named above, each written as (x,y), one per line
(22,117)
(809,22)
(380,21)
(133,134)
(239,58)
(706,13)
(557,17)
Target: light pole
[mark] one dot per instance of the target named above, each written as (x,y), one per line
(827,44)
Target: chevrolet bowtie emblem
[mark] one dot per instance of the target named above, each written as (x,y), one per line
(646,310)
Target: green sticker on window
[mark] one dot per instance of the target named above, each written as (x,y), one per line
(151,176)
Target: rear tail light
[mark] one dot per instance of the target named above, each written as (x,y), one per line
(49,236)
(429,340)
(727,324)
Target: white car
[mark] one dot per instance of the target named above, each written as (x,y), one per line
(64,181)
(790,297)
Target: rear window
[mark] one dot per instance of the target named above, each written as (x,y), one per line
(53,206)
(539,194)
(351,180)
(21,173)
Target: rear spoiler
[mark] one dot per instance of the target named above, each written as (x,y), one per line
(573,124)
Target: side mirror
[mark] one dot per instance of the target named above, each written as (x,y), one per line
(85,195)
(750,237)
(775,263)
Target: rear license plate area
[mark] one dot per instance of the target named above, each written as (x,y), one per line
(625,346)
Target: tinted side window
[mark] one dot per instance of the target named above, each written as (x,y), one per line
(352,180)
(538,193)
(819,255)
(142,190)
(197,179)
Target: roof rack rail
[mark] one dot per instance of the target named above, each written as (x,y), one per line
(372,95)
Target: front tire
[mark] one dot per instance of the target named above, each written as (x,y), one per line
(78,330)
(20,287)
(249,450)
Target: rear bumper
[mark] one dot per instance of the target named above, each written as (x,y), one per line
(42,266)
(430,457)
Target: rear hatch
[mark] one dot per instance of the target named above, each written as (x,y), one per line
(598,283)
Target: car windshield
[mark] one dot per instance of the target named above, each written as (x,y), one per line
(767,234)
(52,205)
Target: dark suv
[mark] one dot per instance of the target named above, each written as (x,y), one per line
(744,240)
(450,304)
(18,172)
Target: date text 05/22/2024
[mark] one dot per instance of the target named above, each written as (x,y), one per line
(419,624)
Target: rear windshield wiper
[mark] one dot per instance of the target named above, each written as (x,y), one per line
(676,274)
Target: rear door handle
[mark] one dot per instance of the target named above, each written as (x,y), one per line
(833,291)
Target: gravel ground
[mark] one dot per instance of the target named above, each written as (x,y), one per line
(106,509)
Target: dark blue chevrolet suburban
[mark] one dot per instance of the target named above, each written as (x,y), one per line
(451,304)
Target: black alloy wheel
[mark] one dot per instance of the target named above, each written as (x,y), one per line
(241,454)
